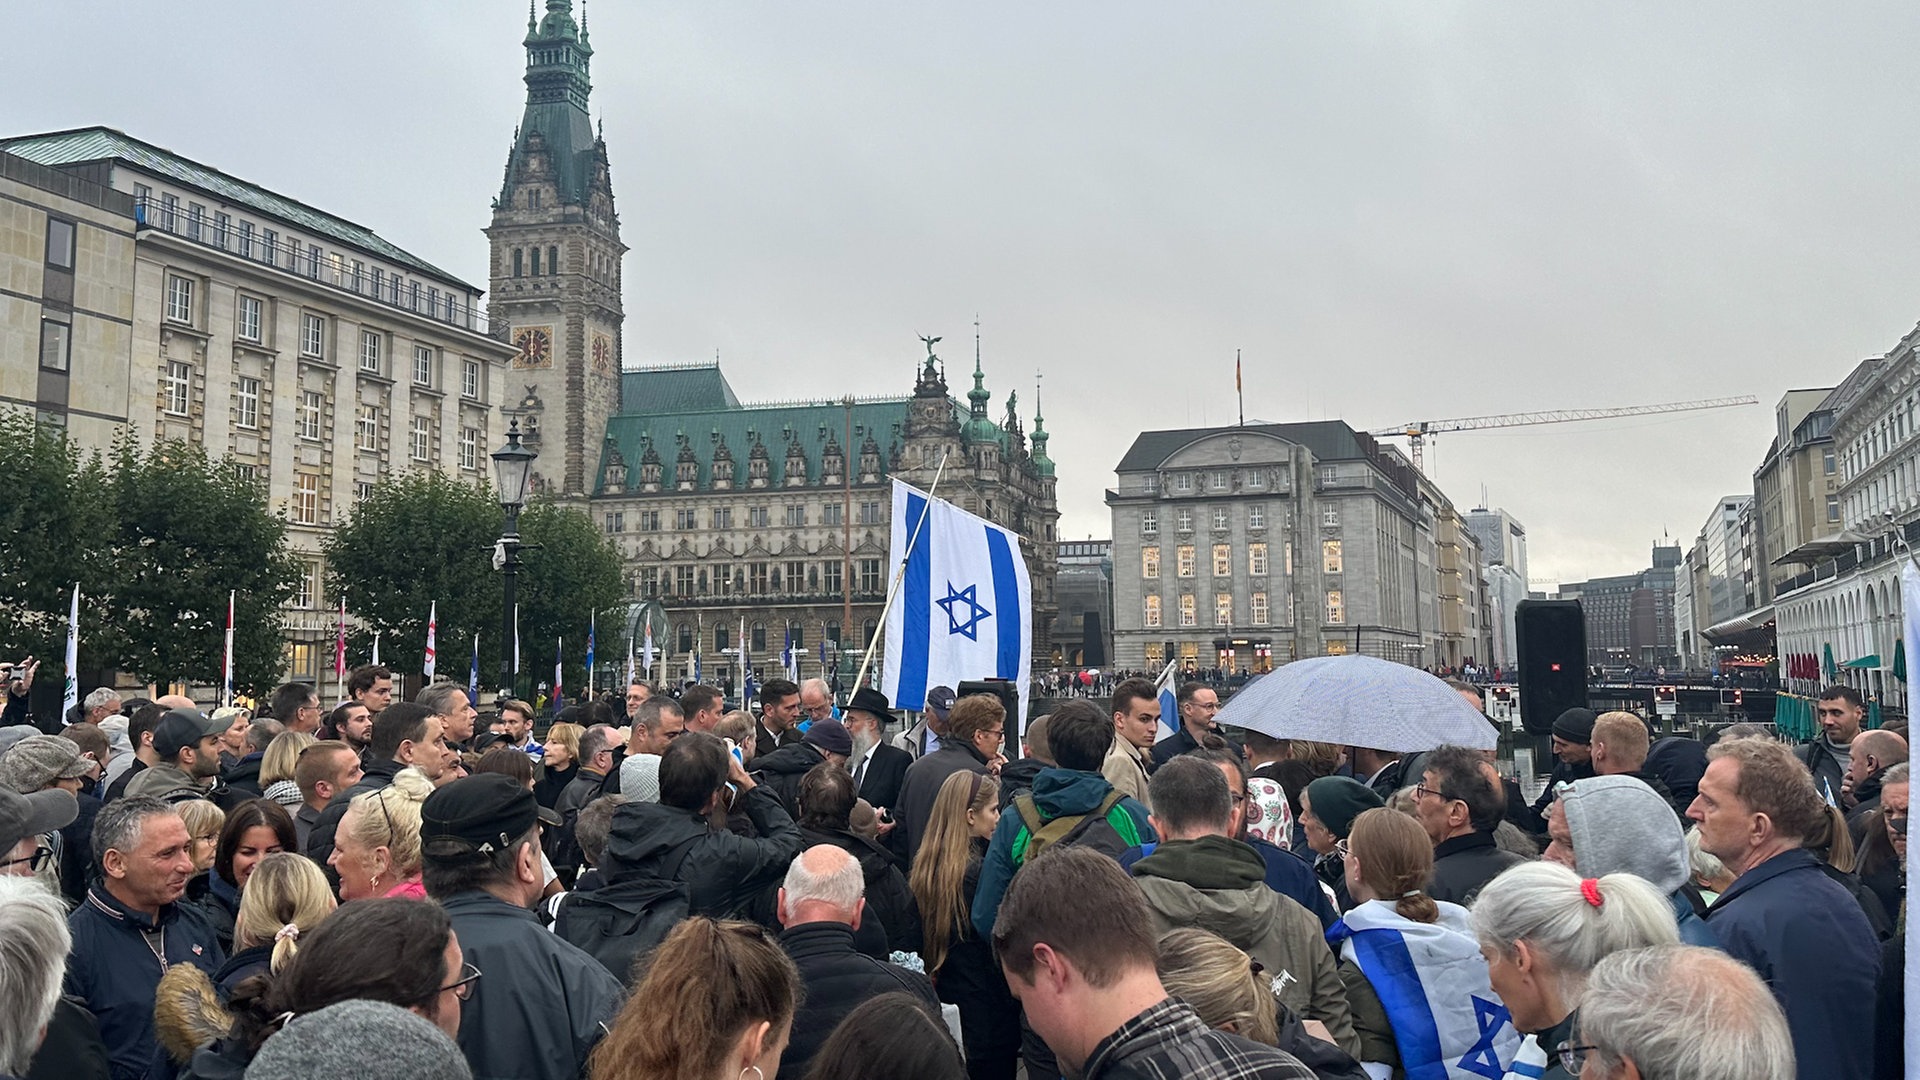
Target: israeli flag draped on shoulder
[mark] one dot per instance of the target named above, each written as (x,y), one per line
(1432,983)
(965,604)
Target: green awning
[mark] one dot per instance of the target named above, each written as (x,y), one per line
(1869,662)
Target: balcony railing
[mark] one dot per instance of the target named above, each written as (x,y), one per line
(389,288)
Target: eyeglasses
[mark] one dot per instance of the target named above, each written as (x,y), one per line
(1421,791)
(41,854)
(1573,1058)
(463,989)
(997,733)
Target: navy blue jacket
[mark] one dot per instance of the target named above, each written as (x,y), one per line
(1810,942)
(114,971)
(1286,875)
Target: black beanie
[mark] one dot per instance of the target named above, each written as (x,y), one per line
(1575,725)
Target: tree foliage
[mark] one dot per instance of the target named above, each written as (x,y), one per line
(155,539)
(423,541)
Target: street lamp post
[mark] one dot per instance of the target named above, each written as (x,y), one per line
(512,464)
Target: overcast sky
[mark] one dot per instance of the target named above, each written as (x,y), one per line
(1398,210)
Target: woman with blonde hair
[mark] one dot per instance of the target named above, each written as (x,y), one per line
(277,765)
(1542,928)
(286,896)
(204,821)
(945,876)
(1398,942)
(730,992)
(1211,974)
(559,764)
(377,849)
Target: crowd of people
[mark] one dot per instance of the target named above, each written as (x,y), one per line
(660,887)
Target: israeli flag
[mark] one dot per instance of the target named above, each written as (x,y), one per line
(1169,702)
(964,609)
(1432,982)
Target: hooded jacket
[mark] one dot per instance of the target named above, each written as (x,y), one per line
(1619,825)
(1220,884)
(723,872)
(168,783)
(1055,792)
(782,769)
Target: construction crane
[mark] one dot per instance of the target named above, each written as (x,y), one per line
(1419,431)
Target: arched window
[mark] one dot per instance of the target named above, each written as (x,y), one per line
(516,262)
(832,632)
(553,260)
(536,262)
(867,631)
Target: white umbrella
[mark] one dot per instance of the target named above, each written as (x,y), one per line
(1359,701)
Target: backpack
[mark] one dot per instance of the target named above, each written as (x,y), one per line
(619,924)
(1096,829)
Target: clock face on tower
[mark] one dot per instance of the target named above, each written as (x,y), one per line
(602,354)
(536,348)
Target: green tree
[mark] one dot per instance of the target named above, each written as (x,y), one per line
(58,522)
(187,532)
(423,539)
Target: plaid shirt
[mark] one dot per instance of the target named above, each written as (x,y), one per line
(1169,1042)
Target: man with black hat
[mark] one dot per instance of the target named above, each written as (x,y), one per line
(1573,745)
(924,737)
(188,742)
(781,769)
(878,769)
(25,822)
(540,1005)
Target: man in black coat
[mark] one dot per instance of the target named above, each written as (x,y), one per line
(781,769)
(779,717)
(878,769)
(1458,804)
(820,905)
(1198,704)
(1573,746)
(404,734)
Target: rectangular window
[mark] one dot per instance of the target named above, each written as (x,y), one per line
(796,516)
(311,403)
(830,577)
(649,521)
(757,517)
(1217,480)
(1150,562)
(422,366)
(1183,520)
(1330,561)
(1256,516)
(59,244)
(1152,613)
(247,319)
(1833,510)
(359,278)
(1183,560)
(196,221)
(247,403)
(413,295)
(1336,607)
(246,471)
(1149,523)
(1330,516)
(368,428)
(306,499)
(683,580)
(370,351)
(1222,560)
(1183,482)
(169,211)
(246,239)
(178,387)
(179,299)
(1257,559)
(1287,559)
(757,578)
(313,331)
(1256,480)
(1188,615)
(723,517)
(313,261)
(469,449)
(269,246)
(870,575)
(616,522)
(869,513)
(1221,519)
(1827,461)
(56,345)
(1260,614)
(470,378)
(830,514)
(222,229)
(796,576)
(683,520)
(1223,609)
(422,437)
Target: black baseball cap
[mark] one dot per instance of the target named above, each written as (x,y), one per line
(182,728)
(479,814)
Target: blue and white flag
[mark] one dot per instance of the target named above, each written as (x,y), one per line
(787,659)
(1169,702)
(1432,982)
(965,606)
(473,674)
(592,618)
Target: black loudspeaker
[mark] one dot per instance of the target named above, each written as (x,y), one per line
(1009,694)
(1553,661)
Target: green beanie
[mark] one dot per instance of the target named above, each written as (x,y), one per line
(1337,800)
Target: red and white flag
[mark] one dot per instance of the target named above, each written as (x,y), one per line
(340,642)
(433,626)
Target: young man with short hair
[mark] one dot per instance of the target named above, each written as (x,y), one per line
(323,771)
(188,744)
(779,716)
(371,685)
(1136,720)
(1841,713)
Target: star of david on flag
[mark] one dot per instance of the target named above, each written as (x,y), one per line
(965,605)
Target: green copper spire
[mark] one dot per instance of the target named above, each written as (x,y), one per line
(558,86)
(979,427)
(1040,459)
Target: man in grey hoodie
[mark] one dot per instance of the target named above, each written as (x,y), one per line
(1618,825)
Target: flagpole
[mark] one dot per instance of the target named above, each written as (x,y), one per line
(899,575)
(1239,388)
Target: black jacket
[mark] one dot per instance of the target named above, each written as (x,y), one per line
(723,872)
(922,786)
(242,780)
(885,773)
(552,781)
(766,742)
(834,979)
(1563,773)
(782,769)
(377,775)
(72,1049)
(1464,864)
(113,971)
(888,899)
(119,785)
(1016,778)
(1827,773)
(540,1005)
(1180,742)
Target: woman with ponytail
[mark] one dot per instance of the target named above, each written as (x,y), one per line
(1418,958)
(286,896)
(946,871)
(1542,928)
(716,1003)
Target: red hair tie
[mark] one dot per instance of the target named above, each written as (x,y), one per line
(1590,888)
